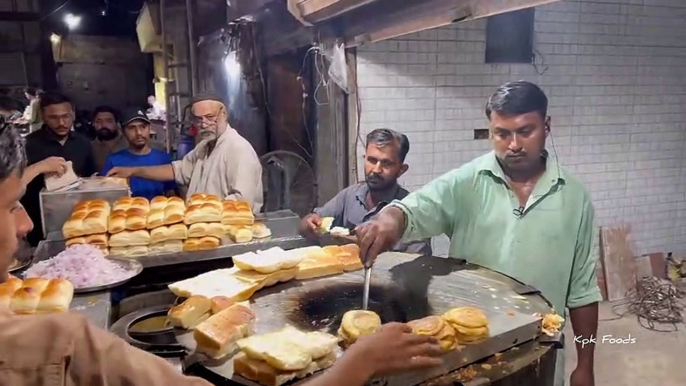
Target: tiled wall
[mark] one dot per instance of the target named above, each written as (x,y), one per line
(615,74)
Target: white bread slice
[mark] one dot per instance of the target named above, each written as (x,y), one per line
(319,263)
(266,375)
(269,261)
(215,283)
(251,261)
(217,336)
(266,279)
(315,344)
(190,313)
(325,226)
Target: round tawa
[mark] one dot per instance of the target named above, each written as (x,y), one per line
(403,288)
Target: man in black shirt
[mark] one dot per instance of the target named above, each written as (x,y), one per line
(55,139)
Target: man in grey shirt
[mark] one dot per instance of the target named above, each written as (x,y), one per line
(385,154)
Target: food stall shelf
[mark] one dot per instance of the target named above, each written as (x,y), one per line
(283,224)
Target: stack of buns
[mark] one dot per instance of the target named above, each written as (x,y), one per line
(216,337)
(127,225)
(202,212)
(134,226)
(327,261)
(470,324)
(356,324)
(238,220)
(88,224)
(279,357)
(438,328)
(165,224)
(36,295)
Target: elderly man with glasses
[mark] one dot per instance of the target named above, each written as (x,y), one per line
(223,163)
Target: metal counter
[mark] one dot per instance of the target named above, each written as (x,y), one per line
(96,307)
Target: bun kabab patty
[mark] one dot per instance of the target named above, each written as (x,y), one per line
(470,324)
(438,328)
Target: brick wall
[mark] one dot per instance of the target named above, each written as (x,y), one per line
(615,74)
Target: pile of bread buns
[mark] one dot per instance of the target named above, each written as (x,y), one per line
(203,218)
(134,226)
(278,357)
(127,225)
(356,324)
(36,296)
(239,223)
(88,224)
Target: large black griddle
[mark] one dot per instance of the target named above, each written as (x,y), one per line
(403,288)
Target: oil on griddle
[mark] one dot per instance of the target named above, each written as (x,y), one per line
(402,300)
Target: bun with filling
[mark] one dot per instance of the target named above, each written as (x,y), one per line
(470,324)
(356,324)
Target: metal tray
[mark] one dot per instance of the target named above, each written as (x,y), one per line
(127,264)
(19,264)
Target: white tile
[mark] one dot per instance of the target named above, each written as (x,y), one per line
(615,74)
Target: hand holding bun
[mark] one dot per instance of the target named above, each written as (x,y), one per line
(438,328)
(356,324)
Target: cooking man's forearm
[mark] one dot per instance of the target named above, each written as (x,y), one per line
(156,173)
(585,324)
(396,215)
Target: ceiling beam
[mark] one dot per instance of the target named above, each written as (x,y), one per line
(319,10)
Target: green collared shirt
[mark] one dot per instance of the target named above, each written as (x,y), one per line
(549,244)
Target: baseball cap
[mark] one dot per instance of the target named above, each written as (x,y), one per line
(131,115)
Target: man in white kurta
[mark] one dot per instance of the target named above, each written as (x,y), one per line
(223,163)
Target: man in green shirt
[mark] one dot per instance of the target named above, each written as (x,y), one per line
(514,210)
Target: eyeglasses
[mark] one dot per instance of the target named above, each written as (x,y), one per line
(209,118)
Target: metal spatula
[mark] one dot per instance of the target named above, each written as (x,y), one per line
(367,282)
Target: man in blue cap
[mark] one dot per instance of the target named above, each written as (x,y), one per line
(136,130)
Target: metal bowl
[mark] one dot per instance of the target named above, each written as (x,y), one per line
(129,264)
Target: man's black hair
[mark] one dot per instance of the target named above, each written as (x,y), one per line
(53,98)
(106,109)
(517,98)
(12,155)
(382,137)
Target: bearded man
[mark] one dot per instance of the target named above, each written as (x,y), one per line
(223,163)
